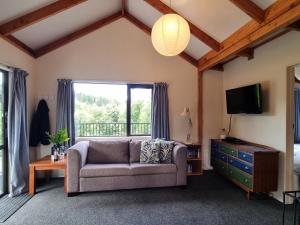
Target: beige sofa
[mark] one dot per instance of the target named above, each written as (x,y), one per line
(114,164)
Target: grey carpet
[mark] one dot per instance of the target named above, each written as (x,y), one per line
(208,200)
(8,206)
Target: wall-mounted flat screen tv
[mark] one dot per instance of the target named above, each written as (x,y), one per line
(247,99)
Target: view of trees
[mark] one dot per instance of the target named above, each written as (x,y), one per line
(104,116)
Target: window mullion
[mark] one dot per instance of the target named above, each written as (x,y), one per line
(128,110)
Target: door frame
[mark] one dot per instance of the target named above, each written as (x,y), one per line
(289,181)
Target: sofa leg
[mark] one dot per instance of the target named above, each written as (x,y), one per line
(73,194)
(183,187)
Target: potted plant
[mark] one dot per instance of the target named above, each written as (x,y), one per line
(58,139)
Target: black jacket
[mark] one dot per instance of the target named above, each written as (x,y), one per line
(40,125)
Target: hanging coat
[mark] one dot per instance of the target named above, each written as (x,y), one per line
(40,125)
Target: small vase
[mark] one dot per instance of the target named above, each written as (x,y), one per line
(54,153)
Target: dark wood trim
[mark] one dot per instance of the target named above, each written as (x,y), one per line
(200,107)
(200,34)
(20,45)
(248,53)
(37,15)
(124,6)
(147,30)
(251,9)
(77,34)
(218,67)
(295,26)
(279,15)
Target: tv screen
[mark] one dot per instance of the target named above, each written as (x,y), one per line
(246,99)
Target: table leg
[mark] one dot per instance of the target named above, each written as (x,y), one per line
(65,181)
(283,214)
(295,211)
(31,179)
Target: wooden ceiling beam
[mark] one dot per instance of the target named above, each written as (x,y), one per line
(147,30)
(37,15)
(248,53)
(279,15)
(218,67)
(198,33)
(77,34)
(295,26)
(251,9)
(20,45)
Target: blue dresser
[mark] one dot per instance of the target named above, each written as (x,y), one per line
(252,167)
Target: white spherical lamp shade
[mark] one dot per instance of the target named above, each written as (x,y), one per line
(170,35)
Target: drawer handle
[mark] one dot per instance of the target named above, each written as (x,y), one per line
(246,180)
(232,151)
(246,167)
(244,156)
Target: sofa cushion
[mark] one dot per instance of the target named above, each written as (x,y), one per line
(166,149)
(108,152)
(105,170)
(134,151)
(146,169)
(150,150)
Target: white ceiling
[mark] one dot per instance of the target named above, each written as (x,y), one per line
(218,18)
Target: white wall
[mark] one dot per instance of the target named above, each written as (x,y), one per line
(269,67)
(14,57)
(121,52)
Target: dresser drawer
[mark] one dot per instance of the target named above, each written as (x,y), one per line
(221,167)
(240,165)
(248,157)
(223,157)
(240,177)
(229,151)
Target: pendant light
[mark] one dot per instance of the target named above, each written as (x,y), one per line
(170,34)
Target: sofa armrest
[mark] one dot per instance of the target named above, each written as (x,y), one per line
(180,159)
(76,159)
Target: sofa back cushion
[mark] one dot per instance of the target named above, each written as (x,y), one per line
(134,150)
(108,152)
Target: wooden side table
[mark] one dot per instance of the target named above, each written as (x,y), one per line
(194,159)
(46,164)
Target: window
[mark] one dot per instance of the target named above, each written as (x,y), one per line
(104,110)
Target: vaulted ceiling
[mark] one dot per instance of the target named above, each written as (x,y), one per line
(40,26)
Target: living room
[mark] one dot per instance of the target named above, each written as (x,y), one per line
(98,69)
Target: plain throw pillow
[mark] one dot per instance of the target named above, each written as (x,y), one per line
(150,150)
(166,149)
(108,152)
(134,151)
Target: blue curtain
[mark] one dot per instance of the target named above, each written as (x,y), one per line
(160,111)
(18,147)
(297,115)
(65,109)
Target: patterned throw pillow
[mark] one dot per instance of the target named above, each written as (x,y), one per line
(166,148)
(150,150)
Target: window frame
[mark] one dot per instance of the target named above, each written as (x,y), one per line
(129,87)
(4,147)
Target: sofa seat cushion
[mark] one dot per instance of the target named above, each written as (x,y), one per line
(105,170)
(146,169)
(108,152)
